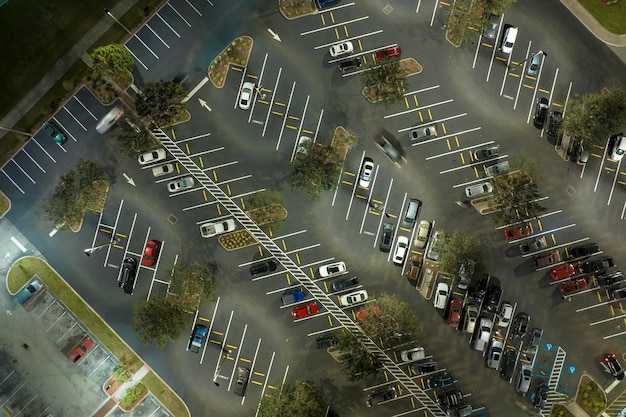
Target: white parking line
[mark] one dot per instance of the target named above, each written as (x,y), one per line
(158,37)
(217,303)
(446,136)
(243,336)
(556,229)
(606,320)
(193,7)
(418,109)
(259,82)
(75,119)
(167,24)
(195,89)
(136,57)
(460,150)
(573,242)
(84,107)
(282,128)
(23,172)
(380,223)
(470,166)
(117,219)
(421,90)
(370,51)
(445,119)
(208,151)
(14,183)
(328,45)
(522,67)
(18,244)
(66,131)
(358,19)
(606,148)
(269,108)
(619,163)
(179,15)
(41,147)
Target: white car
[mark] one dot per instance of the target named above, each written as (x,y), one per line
(441,296)
(619,148)
(495,353)
(401,248)
(353,298)
(217,228)
(332,269)
(162,170)
(509,39)
(245,96)
(183,183)
(478,189)
(109,119)
(421,237)
(470,317)
(505,314)
(303,142)
(366,172)
(414,354)
(342,48)
(152,156)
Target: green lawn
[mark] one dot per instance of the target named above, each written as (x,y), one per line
(611,16)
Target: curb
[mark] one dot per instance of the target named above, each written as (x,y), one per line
(593,25)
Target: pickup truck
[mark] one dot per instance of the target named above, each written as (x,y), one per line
(292,297)
(198,336)
(213,229)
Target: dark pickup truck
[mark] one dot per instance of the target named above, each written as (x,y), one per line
(594,266)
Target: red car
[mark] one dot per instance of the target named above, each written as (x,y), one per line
(304,310)
(81,350)
(571,287)
(383,54)
(563,271)
(150,252)
(361,313)
(454,314)
(516,232)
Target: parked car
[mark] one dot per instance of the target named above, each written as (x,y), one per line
(491,30)
(523,381)
(434,249)
(127,276)
(534,63)
(245,96)
(292,296)
(505,314)
(535,338)
(466,272)
(344,283)
(533,245)
(450,398)
(595,266)
(619,147)
(304,310)
(478,291)
(510,35)
(483,335)
(54,132)
(394,152)
(422,133)
(487,153)
(520,326)
(547,259)
(342,48)
(329,270)
(197,338)
(184,183)
(581,251)
(387,237)
(303,145)
(353,298)
(541,111)
(366,172)
(150,252)
(421,368)
(241,382)
(386,53)
(492,298)
(541,396)
(579,154)
(415,264)
(554,123)
(109,119)
(79,352)
(454,313)
(401,249)
(324,3)
(423,231)
(350,64)
(414,354)
(508,364)
(494,354)
(572,287)
(161,170)
(610,278)
(516,232)
(499,168)
(611,364)
(152,156)
(441,380)
(380,395)
(478,189)
(470,316)
(264,267)
(215,228)
(367,312)
(562,272)
(324,342)
(28,291)
(441,296)
(618,294)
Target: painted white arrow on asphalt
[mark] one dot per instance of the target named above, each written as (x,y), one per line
(203,104)
(274,34)
(128,179)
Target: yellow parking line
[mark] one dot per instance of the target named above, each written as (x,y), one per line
(415,99)
(215,176)
(298,259)
(292,127)
(236,69)
(228,189)
(332,17)
(541,90)
(308,131)
(456,139)
(337,33)
(294,117)
(278,103)
(430,115)
(443,126)
(323,20)
(448,143)
(187,147)
(205,195)
(345,29)
(406,102)
(254,77)
(462,158)
(277,113)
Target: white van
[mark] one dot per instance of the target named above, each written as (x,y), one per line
(483,335)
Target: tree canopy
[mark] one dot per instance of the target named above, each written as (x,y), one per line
(302,399)
(161,101)
(384,83)
(111,59)
(158,320)
(189,284)
(356,360)
(595,117)
(133,137)
(460,249)
(315,170)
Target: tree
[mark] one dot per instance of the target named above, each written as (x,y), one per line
(384,83)
(74,192)
(161,101)
(158,320)
(498,7)
(267,209)
(356,361)
(133,137)
(407,325)
(315,170)
(189,284)
(111,60)
(302,399)
(516,194)
(464,19)
(459,249)
(595,117)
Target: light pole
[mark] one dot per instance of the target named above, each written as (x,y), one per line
(89,251)
(259,92)
(107,11)
(530,57)
(219,366)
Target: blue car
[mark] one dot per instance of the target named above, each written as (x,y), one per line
(28,291)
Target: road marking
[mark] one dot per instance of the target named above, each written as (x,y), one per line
(195,89)
(328,45)
(18,244)
(280,70)
(168,25)
(358,19)
(417,109)
(446,136)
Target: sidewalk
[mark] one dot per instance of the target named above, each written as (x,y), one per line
(594,27)
(111,403)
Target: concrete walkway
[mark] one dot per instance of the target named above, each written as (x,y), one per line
(108,405)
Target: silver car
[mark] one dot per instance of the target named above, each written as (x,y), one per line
(487,153)
(423,133)
(478,189)
(180,184)
(533,64)
(525,375)
(499,168)
(491,30)
(495,353)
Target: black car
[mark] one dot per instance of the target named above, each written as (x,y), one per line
(594,266)
(380,395)
(541,396)
(451,398)
(243,374)
(126,279)
(441,380)
(424,367)
(492,298)
(391,150)
(610,278)
(263,267)
(581,251)
(520,325)
(509,359)
(350,64)
(477,292)
(579,154)
(343,283)
(541,111)
(612,366)
(556,118)
(387,237)
(618,294)
(324,342)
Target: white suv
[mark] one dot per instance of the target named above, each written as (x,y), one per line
(509,39)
